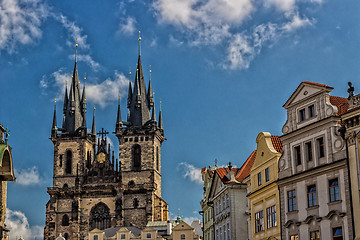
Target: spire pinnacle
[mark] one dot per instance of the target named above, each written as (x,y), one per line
(150,94)
(54,125)
(83,104)
(93,129)
(160,118)
(76,45)
(118,118)
(139,44)
(153,116)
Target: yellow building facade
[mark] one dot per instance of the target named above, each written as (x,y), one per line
(264,194)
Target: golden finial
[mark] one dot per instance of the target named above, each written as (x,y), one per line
(76,45)
(139,44)
(84,76)
(139,36)
(94,107)
(55,100)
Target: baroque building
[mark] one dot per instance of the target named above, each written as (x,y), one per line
(313,171)
(264,193)
(92,190)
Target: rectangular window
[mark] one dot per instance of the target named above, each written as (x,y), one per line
(271,217)
(302,116)
(224,204)
(334,190)
(297,153)
(227,200)
(321,148)
(259,221)
(96,237)
(291,200)
(312,196)
(311,111)
(309,154)
(294,237)
(337,233)
(267,175)
(315,235)
(225,233)
(123,236)
(259,179)
(228,230)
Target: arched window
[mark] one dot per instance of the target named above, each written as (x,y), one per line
(182,236)
(157,159)
(100,216)
(136,157)
(66,236)
(148,235)
(65,220)
(68,164)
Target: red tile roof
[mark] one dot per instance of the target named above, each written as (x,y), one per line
(341,103)
(277,143)
(240,173)
(317,84)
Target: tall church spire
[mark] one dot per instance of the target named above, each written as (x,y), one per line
(150,96)
(54,124)
(83,105)
(73,112)
(93,128)
(160,118)
(139,104)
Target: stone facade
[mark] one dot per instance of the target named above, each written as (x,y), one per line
(313,174)
(207,205)
(93,190)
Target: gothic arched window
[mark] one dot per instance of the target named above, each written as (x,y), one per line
(65,220)
(157,159)
(100,216)
(136,157)
(68,164)
(66,236)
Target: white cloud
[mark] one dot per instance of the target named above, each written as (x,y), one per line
(88,60)
(297,22)
(222,22)
(191,172)
(108,90)
(27,177)
(18,224)
(20,22)
(74,32)
(189,220)
(127,26)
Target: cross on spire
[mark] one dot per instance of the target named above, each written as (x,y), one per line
(103,133)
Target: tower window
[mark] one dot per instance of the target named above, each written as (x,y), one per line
(137,157)
(68,164)
(65,220)
(302,115)
(136,203)
(60,160)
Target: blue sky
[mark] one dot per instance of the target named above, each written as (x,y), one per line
(222,69)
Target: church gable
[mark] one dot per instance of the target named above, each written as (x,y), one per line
(266,149)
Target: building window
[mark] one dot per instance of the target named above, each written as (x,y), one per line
(148,235)
(157,159)
(182,236)
(228,230)
(259,179)
(224,232)
(315,235)
(224,203)
(312,196)
(66,236)
(259,221)
(334,190)
(136,203)
(227,200)
(309,154)
(271,217)
(297,156)
(96,237)
(217,234)
(302,116)
(60,160)
(337,233)
(311,111)
(122,236)
(136,157)
(65,220)
(321,148)
(294,237)
(291,200)
(267,175)
(68,164)
(221,233)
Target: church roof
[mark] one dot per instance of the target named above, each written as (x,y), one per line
(341,103)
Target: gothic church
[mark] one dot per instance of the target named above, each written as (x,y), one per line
(90,188)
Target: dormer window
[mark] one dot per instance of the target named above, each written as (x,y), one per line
(311,110)
(302,115)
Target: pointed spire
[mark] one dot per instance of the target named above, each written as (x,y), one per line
(139,44)
(54,124)
(76,45)
(118,118)
(129,91)
(153,116)
(150,97)
(93,129)
(66,97)
(160,118)
(83,104)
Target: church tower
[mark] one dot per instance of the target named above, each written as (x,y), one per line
(140,139)
(90,188)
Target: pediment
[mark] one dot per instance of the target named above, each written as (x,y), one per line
(305,91)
